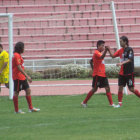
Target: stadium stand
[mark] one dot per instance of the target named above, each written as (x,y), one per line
(69,28)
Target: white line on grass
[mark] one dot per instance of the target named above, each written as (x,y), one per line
(82,121)
(26,126)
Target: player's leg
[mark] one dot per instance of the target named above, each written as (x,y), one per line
(17,84)
(120,95)
(91,92)
(25,86)
(131,84)
(109,95)
(122,84)
(105,84)
(16,93)
(135,91)
(15,100)
(28,97)
(6,80)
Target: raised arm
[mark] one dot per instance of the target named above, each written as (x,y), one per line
(111,54)
(104,53)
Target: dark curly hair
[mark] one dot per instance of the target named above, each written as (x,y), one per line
(125,39)
(19,47)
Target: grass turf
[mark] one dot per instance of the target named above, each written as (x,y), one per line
(62,118)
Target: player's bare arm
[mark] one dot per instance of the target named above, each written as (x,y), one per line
(104,54)
(91,63)
(24,73)
(124,62)
(111,54)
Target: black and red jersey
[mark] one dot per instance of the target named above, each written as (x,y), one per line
(17,60)
(124,55)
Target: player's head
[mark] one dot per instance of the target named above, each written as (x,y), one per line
(124,42)
(100,45)
(19,47)
(1,47)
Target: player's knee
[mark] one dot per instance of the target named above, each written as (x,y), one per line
(28,91)
(107,89)
(94,89)
(121,89)
(131,89)
(16,93)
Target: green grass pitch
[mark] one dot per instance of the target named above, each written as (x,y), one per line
(62,118)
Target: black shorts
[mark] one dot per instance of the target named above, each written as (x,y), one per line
(128,79)
(100,82)
(20,85)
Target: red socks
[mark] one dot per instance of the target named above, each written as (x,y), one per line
(137,93)
(88,96)
(120,96)
(109,96)
(29,101)
(15,100)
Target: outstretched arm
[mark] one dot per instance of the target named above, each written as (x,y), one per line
(111,54)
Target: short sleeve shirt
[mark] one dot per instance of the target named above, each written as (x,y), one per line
(98,64)
(4,57)
(17,60)
(124,55)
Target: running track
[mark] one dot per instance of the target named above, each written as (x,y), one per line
(66,90)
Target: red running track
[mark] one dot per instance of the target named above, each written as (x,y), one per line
(66,90)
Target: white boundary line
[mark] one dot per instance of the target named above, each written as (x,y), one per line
(59,85)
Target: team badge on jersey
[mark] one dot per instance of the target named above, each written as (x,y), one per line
(130,82)
(130,54)
(125,53)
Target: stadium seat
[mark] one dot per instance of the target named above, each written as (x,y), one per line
(69,37)
(69,23)
(37,2)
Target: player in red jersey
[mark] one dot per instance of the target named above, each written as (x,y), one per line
(20,78)
(126,75)
(99,76)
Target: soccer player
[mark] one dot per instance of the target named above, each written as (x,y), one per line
(126,75)
(20,78)
(4,67)
(99,76)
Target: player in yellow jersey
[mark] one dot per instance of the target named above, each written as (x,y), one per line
(4,67)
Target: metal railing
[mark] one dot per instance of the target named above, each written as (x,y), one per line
(38,65)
